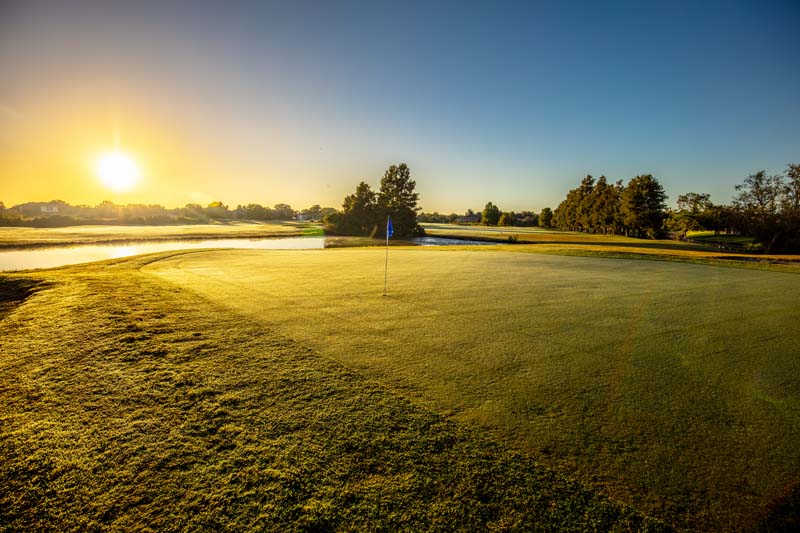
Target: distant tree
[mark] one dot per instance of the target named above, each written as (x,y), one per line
(545,217)
(574,212)
(436,217)
(312,213)
(252,212)
(490,215)
(217,210)
(283,212)
(693,213)
(758,203)
(606,198)
(506,219)
(642,206)
(527,219)
(325,211)
(694,203)
(790,205)
(398,199)
(719,218)
(790,201)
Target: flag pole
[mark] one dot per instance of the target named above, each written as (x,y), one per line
(386,264)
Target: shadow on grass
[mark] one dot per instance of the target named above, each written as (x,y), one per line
(785,515)
(14,291)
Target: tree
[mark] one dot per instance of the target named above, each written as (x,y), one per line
(490,215)
(791,192)
(313,213)
(693,213)
(398,200)
(252,212)
(217,210)
(790,205)
(758,202)
(365,212)
(282,212)
(572,212)
(546,217)
(359,215)
(527,219)
(506,219)
(642,206)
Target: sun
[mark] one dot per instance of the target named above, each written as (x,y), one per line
(117,170)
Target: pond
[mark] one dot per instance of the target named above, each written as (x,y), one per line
(56,256)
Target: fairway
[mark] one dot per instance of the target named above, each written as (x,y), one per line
(671,387)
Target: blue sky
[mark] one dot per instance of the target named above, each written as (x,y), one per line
(509,102)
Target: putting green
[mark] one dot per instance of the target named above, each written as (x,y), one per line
(672,387)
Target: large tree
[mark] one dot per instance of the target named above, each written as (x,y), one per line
(573,213)
(398,199)
(545,217)
(605,216)
(359,212)
(758,204)
(365,211)
(642,206)
(490,215)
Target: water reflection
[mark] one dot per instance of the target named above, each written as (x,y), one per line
(86,253)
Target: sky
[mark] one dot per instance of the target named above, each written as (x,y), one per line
(297,102)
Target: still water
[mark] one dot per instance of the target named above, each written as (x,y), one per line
(85,253)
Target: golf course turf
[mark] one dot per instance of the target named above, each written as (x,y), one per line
(489,389)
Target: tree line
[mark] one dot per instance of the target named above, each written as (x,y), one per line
(765,207)
(57,213)
(597,206)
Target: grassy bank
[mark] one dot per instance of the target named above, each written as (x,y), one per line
(16,238)
(669,386)
(130,403)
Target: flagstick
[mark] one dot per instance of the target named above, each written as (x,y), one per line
(386,266)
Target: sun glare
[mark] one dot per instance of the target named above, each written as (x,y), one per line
(117,171)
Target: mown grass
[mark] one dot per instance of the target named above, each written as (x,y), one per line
(536,235)
(550,241)
(131,404)
(671,387)
(73,235)
(710,237)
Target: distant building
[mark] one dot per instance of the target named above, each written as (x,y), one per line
(38,209)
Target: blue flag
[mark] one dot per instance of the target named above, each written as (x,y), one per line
(389,227)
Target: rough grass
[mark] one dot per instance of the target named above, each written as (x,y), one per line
(101,234)
(671,387)
(130,404)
